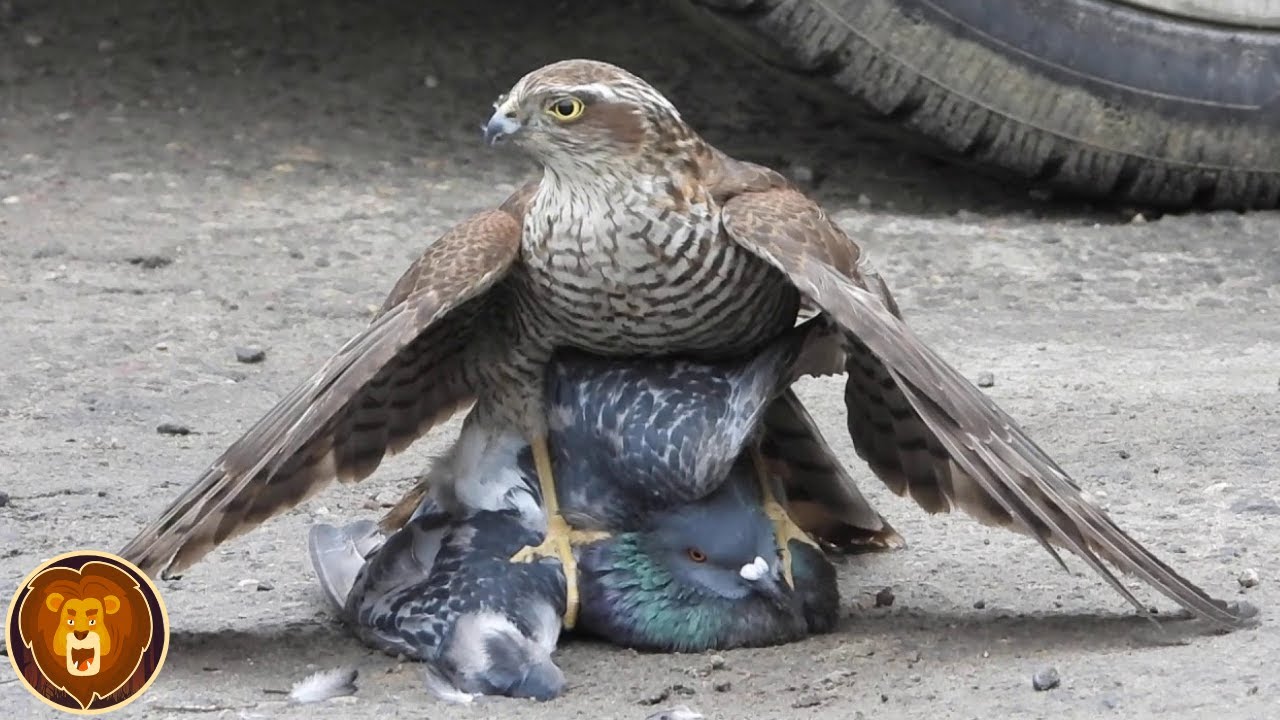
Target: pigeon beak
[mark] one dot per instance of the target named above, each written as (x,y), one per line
(765,581)
(502,124)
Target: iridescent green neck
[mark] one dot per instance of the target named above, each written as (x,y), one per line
(657,610)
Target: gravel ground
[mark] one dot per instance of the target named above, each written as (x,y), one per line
(182,180)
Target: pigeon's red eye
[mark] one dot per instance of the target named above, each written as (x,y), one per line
(697,555)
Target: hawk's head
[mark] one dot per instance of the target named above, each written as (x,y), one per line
(585,112)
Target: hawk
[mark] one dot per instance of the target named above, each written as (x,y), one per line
(640,239)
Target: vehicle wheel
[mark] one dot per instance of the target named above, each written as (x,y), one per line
(1174,103)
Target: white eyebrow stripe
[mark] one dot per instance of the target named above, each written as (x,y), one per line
(610,93)
(601,90)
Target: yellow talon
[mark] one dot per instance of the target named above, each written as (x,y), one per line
(560,538)
(784,528)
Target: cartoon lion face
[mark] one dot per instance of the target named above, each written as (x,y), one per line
(87,629)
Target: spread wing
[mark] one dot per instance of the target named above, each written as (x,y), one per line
(409,370)
(922,427)
(821,496)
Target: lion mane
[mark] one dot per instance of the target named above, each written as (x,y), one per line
(61,602)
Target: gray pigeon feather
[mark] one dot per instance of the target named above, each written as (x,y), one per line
(651,451)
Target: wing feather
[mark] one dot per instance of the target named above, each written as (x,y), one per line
(821,495)
(410,369)
(921,425)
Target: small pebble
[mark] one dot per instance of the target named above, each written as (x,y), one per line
(1249,578)
(249,354)
(4,498)
(1045,679)
(718,662)
(1139,218)
(986,379)
(264,586)
(979,604)
(808,701)
(666,693)
(149,262)
(168,428)
(884,598)
(1256,506)
(1124,454)
(11,200)
(722,686)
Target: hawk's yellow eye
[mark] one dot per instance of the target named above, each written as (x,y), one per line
(566,109)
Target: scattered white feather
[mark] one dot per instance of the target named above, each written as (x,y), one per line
(444,689)
(324,685)
(679,712)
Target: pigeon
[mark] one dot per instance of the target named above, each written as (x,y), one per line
(701,576)
(631,439)
(705,576)
(655,471)
(442,590)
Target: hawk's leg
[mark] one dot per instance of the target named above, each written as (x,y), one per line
(560,538)
(784,528)
(398,515)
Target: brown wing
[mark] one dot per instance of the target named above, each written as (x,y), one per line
(821,496)
(410,369)
(920,424)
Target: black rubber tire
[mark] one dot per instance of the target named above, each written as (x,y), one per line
(1093,97)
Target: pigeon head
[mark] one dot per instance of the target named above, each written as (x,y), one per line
(702,576)
(717,550)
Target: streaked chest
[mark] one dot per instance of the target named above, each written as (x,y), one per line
(642,268)
(623,240)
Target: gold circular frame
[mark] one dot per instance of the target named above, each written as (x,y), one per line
(11,618)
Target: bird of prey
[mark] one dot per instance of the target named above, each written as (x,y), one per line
(640,239)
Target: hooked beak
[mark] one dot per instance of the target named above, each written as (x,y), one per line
(765,581)
(503,123)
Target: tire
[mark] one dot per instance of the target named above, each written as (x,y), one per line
(1093,97)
